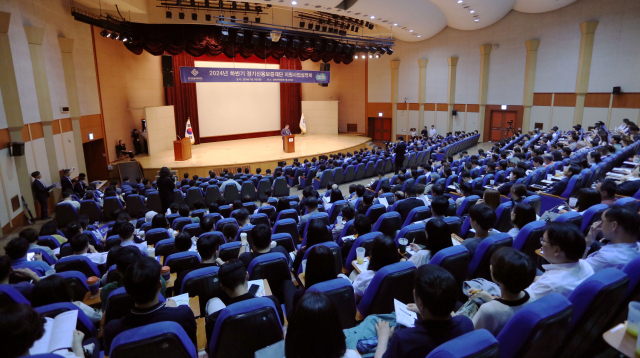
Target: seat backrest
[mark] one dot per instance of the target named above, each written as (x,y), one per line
(153,236)
(454,223)
(180,223)
(595,301)
(119,304)
(335,210)
(204,284)
(91,209)
(288,226)
(48,241)
(135,204)
(230,193)
(272,266)
(78,263)
(335,250)
(77,281)
(391,282)
(417,214)
(192,229)
(365,241)
(475,344)
(536,329)
(256,318)
(409,231)
(285,240)
(259,218)
(454,259)
(466,204)
(375,211)
(230,250)
(571,217)
(83,324)
(528,238)
(9,295)
(221,223)
(165,247)
(153,340)
(181,261)
(479,265)
(631,203)
(388,223)
(503,213)
(533,200)
(65,213)
(288,214)
(280,187)
(592,215)
(340,292)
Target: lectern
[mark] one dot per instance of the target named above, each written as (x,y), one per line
(182,149)
(289,143)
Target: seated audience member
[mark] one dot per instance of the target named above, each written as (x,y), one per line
(207,224)
(439,206)
(160,222)
(562,246)
(184,213)
(482,218)
(80,246)
(22,326)
(465,190)
(521,215)
(242,217)
(54,289)
(316,330)
(316,233)
(435,291)
(50,228)
(410,202)
(516,173)
(438,238)
(518,193)
(607,189)
(260,245)
(335,195)
(374,184)
(513,271)
(620,226)
(230,231)
(31,235)
(67,199)
(367,202)
(17,249)
(25,274)
(559,187)
(490,197)
(347,213)
(121,218)
(383,252)
(184,243)
(587,197)
(142,281)
(126,233)
(208,249)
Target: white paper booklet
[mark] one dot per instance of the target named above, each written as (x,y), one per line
(58,333)
(384,202)
(181,300)
(403,315)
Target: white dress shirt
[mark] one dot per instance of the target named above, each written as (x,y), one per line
(98,258)
(142,246)
(613,255)
(432,132)
(362,281)
(560,278)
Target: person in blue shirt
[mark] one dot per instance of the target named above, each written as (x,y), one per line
(435,292)
(17,250)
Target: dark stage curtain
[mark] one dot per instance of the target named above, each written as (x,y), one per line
(290,105)
(199,40)
(183,98)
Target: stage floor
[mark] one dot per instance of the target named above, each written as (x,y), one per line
(262,152)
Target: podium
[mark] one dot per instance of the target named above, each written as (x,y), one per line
(182,149)
(289,143)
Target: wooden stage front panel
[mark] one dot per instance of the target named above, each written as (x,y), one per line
(264,153)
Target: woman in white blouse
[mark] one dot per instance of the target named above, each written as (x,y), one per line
(383,252)
(438,238)
(521,215)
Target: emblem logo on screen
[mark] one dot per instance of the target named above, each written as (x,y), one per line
(321,77)
(194,72)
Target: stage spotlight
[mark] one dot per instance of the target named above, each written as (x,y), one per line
(339,48)
(377,55)
(255,39)
(371,26)
(124,38)
(207,17)
(374,49)
(358,48)
(221,4)
(194,17)
(246,19)
(234,5)
(355,57)
(317,27)
(295,43)
(259,8)
(353,28)
(181,15)
(267,41)
(283,41)
(257,20)
(318,46)
(239,37)
(233,18)
(324,29)
(389,51)
(307,43)
(310,26)
(367,24)
(347,48)
(115,36)
(367,49)
(224,35)
(383,50)
(330,46)
(247,6)
(169,14)
(105,33)
(357,29)
(302,24)
(370,56)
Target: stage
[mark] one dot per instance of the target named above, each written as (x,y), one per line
(264,153)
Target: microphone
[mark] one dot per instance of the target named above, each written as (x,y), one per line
(178,137)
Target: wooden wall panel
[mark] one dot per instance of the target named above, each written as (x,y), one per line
(55,127)
(597,100)
(36,130)
(429,106)
(414,106)
(25,133)
(374,108)
(91,124)
(222,138)
(473,108)
(542,99)
(626,100)
(5,138)
(65,125)
(459,107)
(442,107)
(402,106)
(564,100)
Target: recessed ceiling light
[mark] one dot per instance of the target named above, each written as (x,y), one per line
(395,24)
(419,35)
(410,30)
(476,20)
(294,3)
(373,17)
(459,1)
(472,11)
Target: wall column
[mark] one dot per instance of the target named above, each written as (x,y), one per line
(529,82)
(35,35)
(451,91)
(588,29)
(485,52)
(12,109)
(395,77)
(422,92)
(66,47)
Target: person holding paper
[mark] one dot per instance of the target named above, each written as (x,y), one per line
(438,238)
(435,292)
(54,289)
(80,246)
(24,333)
(142,282)
(41,194)
(24,287)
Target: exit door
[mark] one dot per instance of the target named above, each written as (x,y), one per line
(380,129)
(502,125)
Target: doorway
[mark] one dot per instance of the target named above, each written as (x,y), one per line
(502,125)
(95,160)
(379,129)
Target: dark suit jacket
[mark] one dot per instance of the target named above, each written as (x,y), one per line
(559,187)
(41,192)
(544,147)
(65,183)
(79,189)
(628,188)
(505,188)
(405,207)
(184,181)
(401,149)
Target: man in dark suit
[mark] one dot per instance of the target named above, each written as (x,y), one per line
(400,150)
(41,194)
(411,202)
(559,187)
(185,181)
(80,186)
(544,146)
(65,180)
(425,132)
(631,186)
(285,131)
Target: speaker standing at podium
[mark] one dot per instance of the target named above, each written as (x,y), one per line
(285,132)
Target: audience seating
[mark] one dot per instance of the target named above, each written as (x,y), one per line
(365,241)
(65,213)
(230,250)
(273,267)
(78,263)
(48,241)
(45,256)
(91,209)
(592,215)
(475,344)
(335,249)
(503,213)
(288,214)
(455,224)
(179,223)
(454,259)
(181,261)
(84,323)
(165,247)
(479,265)
(9,295)
(153,236)
(192,229)
(340,291)
(119,304)
(285,240)
(375,211)
(111,204)
(528,238)
(280,187)
(388,223)
(391,282)
(287,226)
(203,283)
(135,205)
(162,339)
(571,217)
(418,214)
(77,282)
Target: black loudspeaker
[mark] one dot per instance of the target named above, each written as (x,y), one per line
(324,67)
(616,90)
(454,112)
(16,149)
(167,71)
